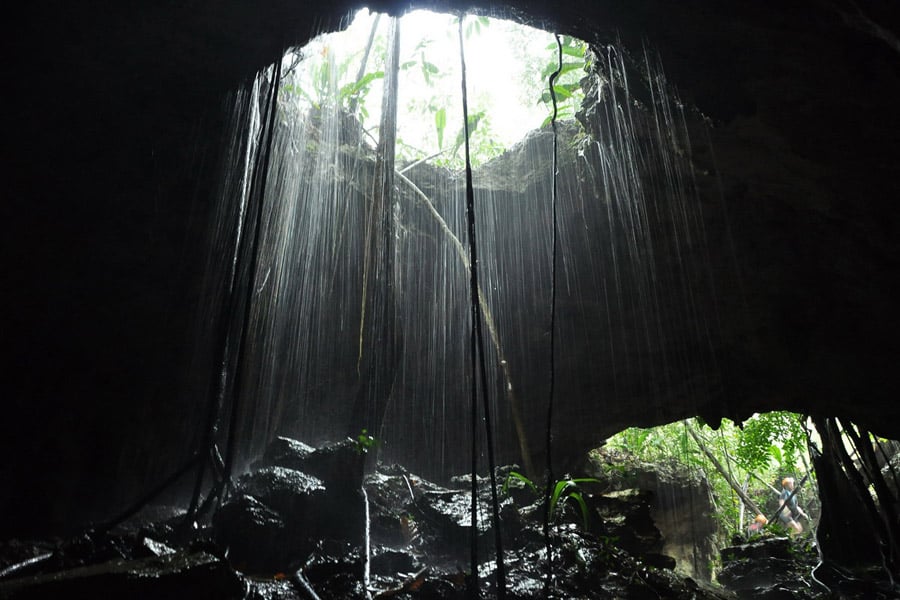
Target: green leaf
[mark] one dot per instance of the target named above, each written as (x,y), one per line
(440,123)
(516,475)
(570,487)
(584,509)
(475,25)
(571,66)
(567,67)
(558,489)
(473,121)
(576,51)
(775,451)
(353,88)
(428,69)
(423,43)
(561,92)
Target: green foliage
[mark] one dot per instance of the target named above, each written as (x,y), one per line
(474,26)
(771,437)
(357,91)
(567,84)
(564,490)
(430,71)
(333,73)
(365,442)
(518,476)
(567,490)
(440,123)
(324,84)
(475,119)
(767,445)
(665,442)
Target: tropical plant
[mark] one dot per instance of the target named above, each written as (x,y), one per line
(516,476)
(567,84)
(775,436)
(741,463)
(365,442)
(325,75)
(323,83)
(564,490)
(567,490)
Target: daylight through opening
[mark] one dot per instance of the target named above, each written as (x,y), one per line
(507,72)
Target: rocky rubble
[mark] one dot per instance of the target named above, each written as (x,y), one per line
(301,525)
(772,567)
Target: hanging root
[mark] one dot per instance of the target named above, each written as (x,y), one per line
(549,443)
(478,362)
(302,585)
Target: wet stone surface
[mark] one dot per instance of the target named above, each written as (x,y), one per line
(770,567)
(773,567)
(286,534)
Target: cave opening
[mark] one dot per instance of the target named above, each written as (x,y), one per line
(507,76)
(340,277)
(340,274)
(635,280)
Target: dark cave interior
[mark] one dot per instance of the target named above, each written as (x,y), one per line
(113,158)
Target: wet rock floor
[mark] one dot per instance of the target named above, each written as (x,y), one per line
(299,526)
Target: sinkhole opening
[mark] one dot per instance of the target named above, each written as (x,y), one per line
(507,70)
(340,270)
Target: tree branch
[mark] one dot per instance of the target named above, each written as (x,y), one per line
(731,482)
(488,321)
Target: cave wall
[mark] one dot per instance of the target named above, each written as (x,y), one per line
(111,167)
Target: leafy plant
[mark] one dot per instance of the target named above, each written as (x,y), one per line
(355,92)
(324,84)
(567,86)
(564,490)
(440,123)
(365,442)
(759,452)
(518,476)
(567,490)
(775,436)
(474,26)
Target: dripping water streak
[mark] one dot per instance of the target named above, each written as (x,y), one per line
(241,356)
(367,561)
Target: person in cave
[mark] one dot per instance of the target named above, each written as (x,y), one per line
(757,526)
(790,511)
